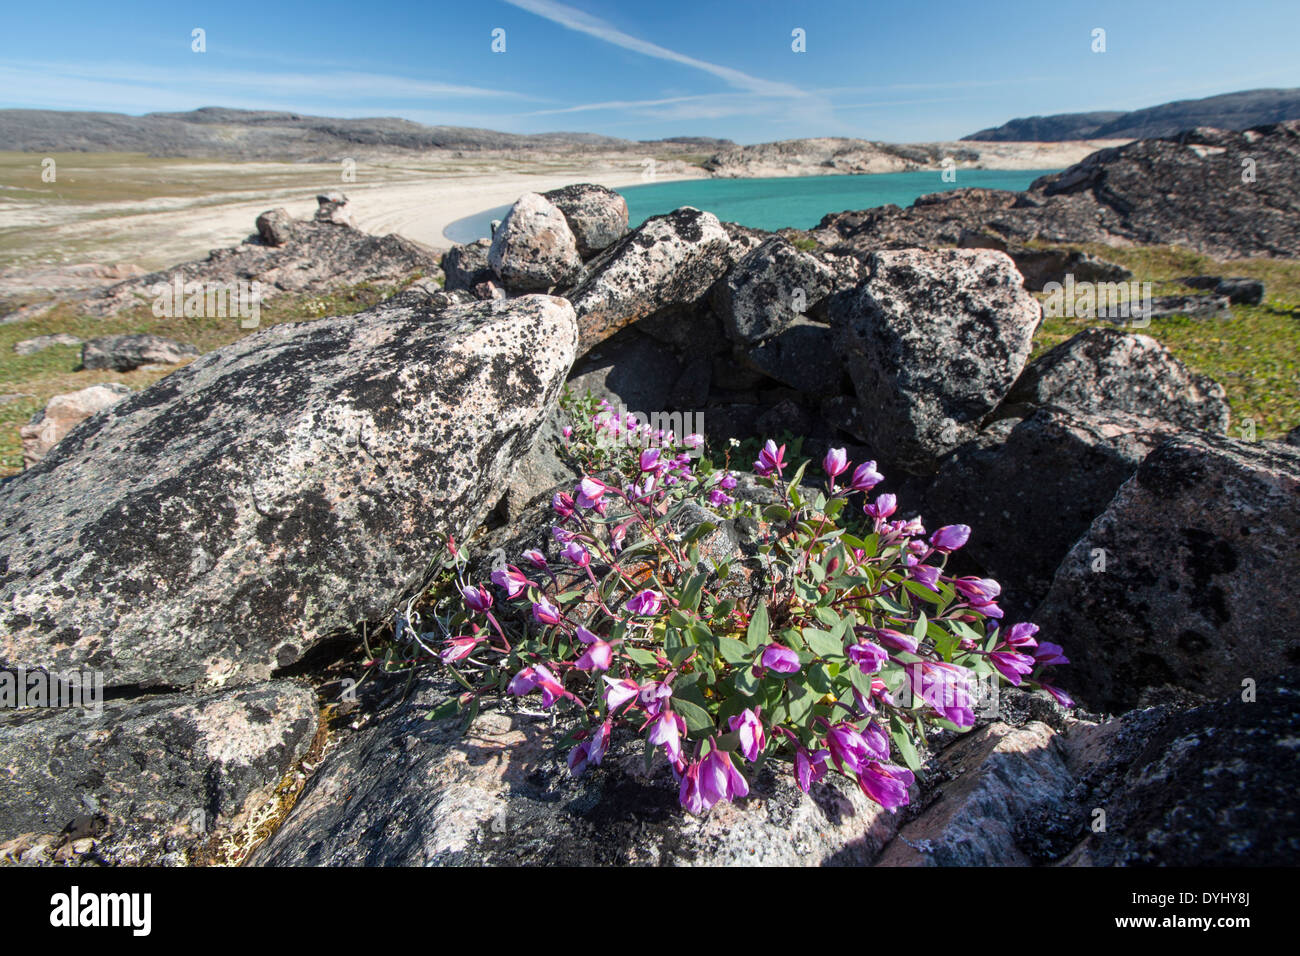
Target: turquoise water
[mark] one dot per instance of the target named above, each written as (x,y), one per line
(795,201)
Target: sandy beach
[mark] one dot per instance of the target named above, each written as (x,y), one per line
(220,202)
(120,208)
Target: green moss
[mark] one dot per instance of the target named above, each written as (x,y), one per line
(1254,354)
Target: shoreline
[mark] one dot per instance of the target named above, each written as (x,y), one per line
(131,209)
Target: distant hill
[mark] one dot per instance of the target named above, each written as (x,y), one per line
(1236,111)
(257,134)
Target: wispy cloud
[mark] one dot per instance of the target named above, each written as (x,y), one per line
(573,19)
(336,85)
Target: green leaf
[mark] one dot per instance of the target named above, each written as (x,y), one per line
(924,593)
(745,682)
(642,656)
(903,743)
(733,651)
(776,513)
(696,717)
(819,678)
(798,477)
(691,596)
(443,710)
(699,531)
(823,643)
(756,634)
(800,702)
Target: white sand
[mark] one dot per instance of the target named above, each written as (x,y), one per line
(415,202)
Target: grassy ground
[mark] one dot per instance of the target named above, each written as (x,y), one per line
(35,378)
(1255,354)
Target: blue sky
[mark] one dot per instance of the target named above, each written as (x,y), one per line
(899,70)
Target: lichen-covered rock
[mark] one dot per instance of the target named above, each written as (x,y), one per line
(1187,578)
(62,414)
(466,266)
(597,215)
(666,263)
(334,208)
(932,341)
(313,256)
(1029,488)
(405,791)
(218,524)
(995,776)
(533,249)
(275,227)
(1104,370)
(428,296)
(123,353)
(769,289)
(1186,189)
(42,342)
(149,777)
(1211,786)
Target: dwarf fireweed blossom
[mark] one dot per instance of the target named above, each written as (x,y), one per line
(834,640)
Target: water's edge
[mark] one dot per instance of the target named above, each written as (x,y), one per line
(779,202)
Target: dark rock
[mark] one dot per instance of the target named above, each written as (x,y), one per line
(1030,488)
(1193,188)
(691,390)
(1201,548)
(932,342)
(802,356)
(596,215)
(272,493)
(489,291)
(540,470)
(769,290)
(785,416)
(996,776)
(1100,371)
(334,209)
(1240,290)
(1192,306)
(466,266)
(695,331)
(316,256)
(630,370)
(159,775)
(426,295)
(1207,787)
(123,353)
